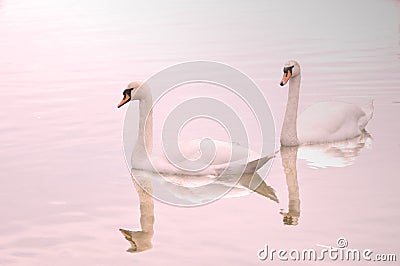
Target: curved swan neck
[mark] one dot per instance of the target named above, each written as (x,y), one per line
(289,128)
(144,143)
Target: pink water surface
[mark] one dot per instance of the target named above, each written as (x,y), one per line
(65,189)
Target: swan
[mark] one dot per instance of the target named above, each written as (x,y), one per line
(226,158)
(322,122)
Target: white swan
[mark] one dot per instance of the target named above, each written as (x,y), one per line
(322,122)
(226,158)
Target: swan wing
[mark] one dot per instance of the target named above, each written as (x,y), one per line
(369,112)
(229,158)
(330,121)
(245,167)
(224,152)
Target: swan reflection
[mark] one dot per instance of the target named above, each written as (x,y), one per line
(188,189)
(335,154)
(195,190)
(141,240)
(182,190)
(289,163)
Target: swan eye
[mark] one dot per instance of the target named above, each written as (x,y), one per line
(127,92)
(288,69)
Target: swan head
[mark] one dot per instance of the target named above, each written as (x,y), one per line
(290,69)
(132,92)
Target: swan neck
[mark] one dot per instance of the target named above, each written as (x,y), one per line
(144,143)
(289,128)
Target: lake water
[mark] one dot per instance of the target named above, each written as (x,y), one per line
(65,189)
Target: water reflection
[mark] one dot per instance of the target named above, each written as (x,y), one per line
(141,240)
(202,189)
(336,154)
(143,180)
(289,161)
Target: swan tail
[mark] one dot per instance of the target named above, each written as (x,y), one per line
(253,166)
(369,112)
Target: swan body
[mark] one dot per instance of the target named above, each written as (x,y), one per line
(322,122)
(222,163)
(331,122)
(226,158)
(229,158)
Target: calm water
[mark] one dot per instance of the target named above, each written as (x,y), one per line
(65,188)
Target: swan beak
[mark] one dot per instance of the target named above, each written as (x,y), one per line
(125,100)
(286,77)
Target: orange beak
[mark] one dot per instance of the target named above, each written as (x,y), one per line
(286,77)
(125,100)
